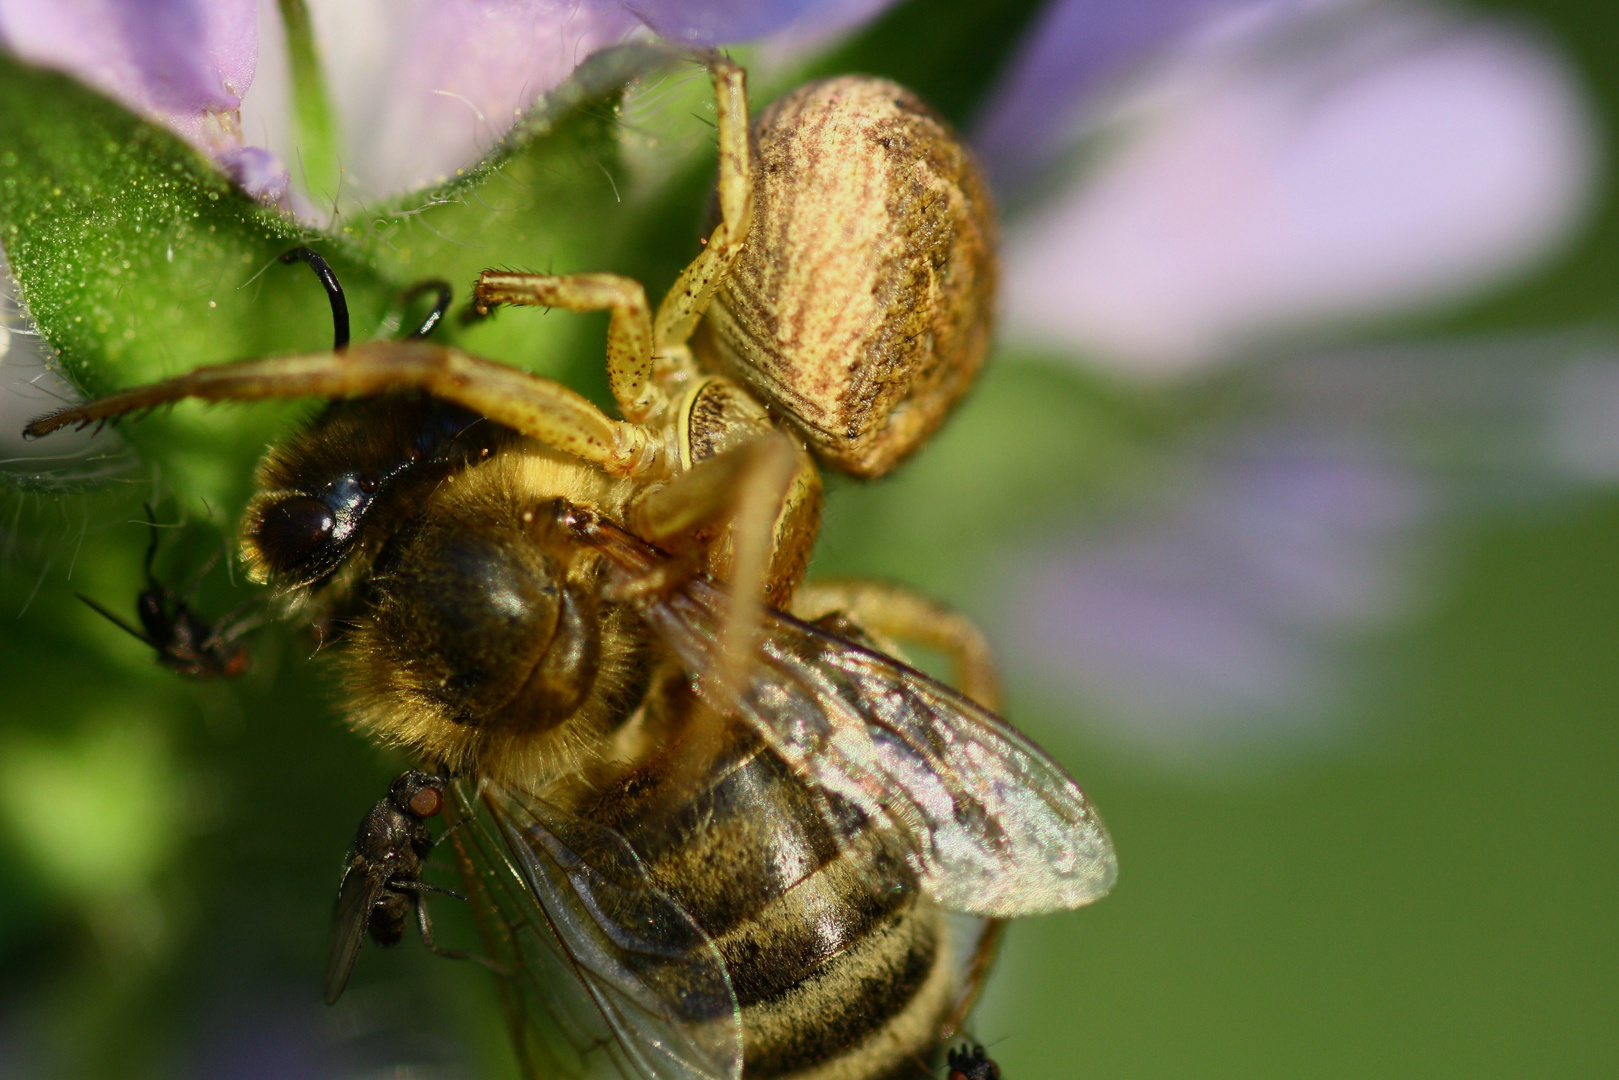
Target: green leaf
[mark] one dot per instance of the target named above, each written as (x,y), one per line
(139,260)
(311,105)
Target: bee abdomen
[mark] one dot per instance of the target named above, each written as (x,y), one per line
(877,999)
(834,957)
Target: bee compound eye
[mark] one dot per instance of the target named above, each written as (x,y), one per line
(427,802)
(293,529)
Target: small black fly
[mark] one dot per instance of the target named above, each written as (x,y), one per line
(382,878)
(184,641)
(971,1063)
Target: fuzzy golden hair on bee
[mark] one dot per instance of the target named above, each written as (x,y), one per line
(487,643)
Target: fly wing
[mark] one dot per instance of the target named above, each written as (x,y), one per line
(351,916)
(606,966)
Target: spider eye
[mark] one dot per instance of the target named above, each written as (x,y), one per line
(290,532)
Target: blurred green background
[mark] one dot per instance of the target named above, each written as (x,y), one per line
(1430,896)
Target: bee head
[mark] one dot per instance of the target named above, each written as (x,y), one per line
(349,477)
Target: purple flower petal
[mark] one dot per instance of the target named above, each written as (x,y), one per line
(1075,47)
(1210,622)
(423,87)
(184,63)
(257,172)
(713,22)
(1389,160)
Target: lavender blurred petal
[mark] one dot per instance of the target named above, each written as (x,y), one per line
(184,63)
(1073,48)
(818,27)
(1582,436)
(713,22)
(1388,160)
(1226,619)
(1207,627)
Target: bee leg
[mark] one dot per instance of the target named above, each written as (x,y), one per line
(898,614)
(540,408)
(442,295)
(629,332)
(692,291)
(334,291)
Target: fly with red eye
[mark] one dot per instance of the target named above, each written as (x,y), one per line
(382,878)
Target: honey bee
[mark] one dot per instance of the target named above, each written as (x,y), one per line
(716,829)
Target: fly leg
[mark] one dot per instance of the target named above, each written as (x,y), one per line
(425,925)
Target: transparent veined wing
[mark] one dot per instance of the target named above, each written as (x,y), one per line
(608,972)
(995,827)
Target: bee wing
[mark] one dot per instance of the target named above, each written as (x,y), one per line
(606,965)
(351,916)
(996,828)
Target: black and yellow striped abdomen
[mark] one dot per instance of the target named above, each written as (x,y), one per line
(840,966)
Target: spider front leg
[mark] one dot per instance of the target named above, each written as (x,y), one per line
(534,406)
(629,332)
(897,614)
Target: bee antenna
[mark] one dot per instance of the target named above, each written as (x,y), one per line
(334,291)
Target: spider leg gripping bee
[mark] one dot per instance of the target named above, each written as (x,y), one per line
(714,828)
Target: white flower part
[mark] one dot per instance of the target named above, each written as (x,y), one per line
(421,88)
(31,384)
(1316,173)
